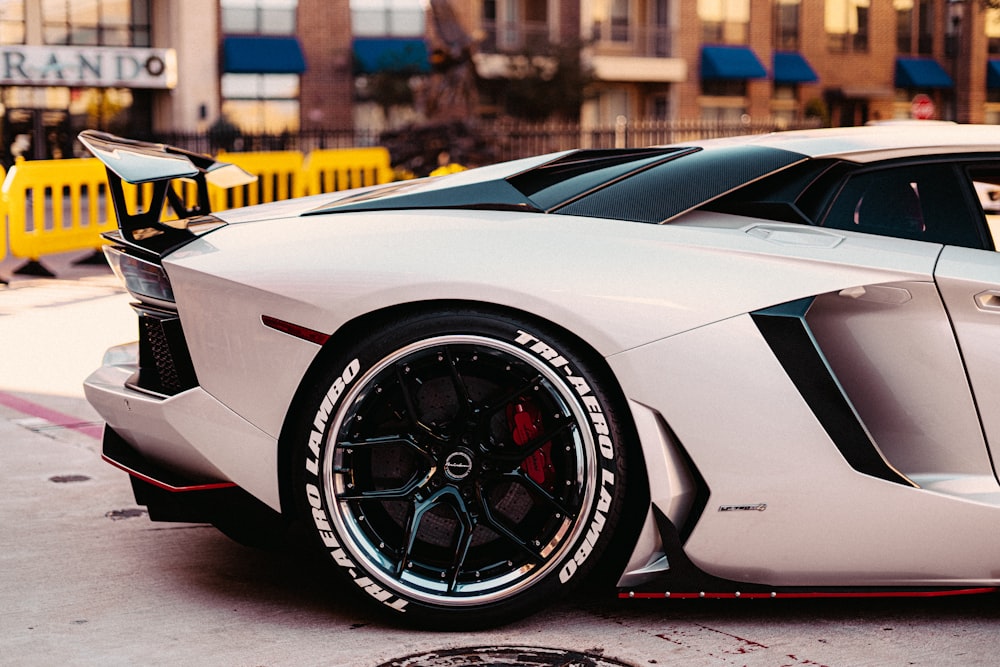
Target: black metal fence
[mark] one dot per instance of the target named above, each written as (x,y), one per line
(517,140)
(502,139)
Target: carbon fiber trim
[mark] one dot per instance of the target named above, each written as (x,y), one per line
(676,186)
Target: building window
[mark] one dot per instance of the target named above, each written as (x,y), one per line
(910,14)
(724,21)
(620,20)
(514,25)
(261,103)
(992,116)
(723,100)
(993,30)
(259,17)
(925,27)
(724,87)
(660,37)
(96,23)
(11,21)
(659,106)
(612,21)
(846,24)
(389,18)
(785,104)
(904,25)
(615,104)
(786,25)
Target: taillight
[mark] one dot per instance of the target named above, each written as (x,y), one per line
(147,281)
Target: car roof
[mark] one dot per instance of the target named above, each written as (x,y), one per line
(628,184)
(875,142)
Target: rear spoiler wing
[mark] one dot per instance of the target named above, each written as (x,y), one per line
(140,162)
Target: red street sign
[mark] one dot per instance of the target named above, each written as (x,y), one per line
(922,107)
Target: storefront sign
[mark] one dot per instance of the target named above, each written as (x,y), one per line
(88,66)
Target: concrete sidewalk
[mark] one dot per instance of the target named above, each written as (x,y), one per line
(64,266)
(53,331)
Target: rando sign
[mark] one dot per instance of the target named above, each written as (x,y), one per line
(922,107)
(99,66)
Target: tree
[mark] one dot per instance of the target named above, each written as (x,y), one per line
(547,82)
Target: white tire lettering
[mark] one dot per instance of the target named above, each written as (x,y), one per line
(315,500)
(319,518)
(315,497)
(607,449)
(323,414)
(569,569)
(604,443)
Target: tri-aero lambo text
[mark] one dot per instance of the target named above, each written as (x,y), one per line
(753,367)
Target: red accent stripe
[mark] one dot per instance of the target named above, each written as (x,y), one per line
(54,417)
(296,330)
(812,595)
(164,485)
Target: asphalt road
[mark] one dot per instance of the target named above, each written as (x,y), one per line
(86,579)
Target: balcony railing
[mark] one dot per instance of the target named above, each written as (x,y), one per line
(633,40)
(517,37)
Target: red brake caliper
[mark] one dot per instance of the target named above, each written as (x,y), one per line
(524,419)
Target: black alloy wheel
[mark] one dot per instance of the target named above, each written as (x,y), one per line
(462,465)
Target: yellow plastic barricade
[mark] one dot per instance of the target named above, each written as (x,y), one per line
(3,221)
(56,206)
(279,176)
(329,170)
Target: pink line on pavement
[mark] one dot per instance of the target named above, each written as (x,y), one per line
(54,417)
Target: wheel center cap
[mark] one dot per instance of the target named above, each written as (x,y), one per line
(458,465)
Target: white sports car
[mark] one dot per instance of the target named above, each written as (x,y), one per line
(759,367)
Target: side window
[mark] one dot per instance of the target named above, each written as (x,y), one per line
(920,202)
(986,181)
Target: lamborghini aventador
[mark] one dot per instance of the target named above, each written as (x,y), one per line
(756,367)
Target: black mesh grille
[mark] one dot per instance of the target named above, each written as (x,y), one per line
(164,362)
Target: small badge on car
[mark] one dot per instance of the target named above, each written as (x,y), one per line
(757,507)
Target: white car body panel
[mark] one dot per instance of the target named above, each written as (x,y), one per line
(740,436)
(864,144)
(970,284)
(191,431)
(893,349)
(633,306)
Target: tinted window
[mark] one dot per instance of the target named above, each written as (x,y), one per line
(780,196)
(986,182)
(921,202)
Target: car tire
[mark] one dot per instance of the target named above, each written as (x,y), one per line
(462,468)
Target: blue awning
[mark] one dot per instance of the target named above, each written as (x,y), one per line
(993,74)
(792,67)
(730,62)
(388,54)
(262,55)
(921,73)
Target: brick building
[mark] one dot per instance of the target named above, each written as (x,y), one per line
(284,66)
(169,66)
(858,60)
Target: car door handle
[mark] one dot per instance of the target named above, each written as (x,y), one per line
(989,300)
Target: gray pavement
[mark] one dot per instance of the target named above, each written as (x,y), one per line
(86,579)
